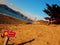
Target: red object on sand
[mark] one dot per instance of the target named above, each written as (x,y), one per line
(11,34)
(5,33)
(8,33)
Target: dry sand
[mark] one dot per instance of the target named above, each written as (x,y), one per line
(42,34)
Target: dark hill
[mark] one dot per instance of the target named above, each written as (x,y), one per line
(9,20)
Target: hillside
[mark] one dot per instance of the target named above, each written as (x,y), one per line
(4,9)
(41,22)
(33,34)
(9,20)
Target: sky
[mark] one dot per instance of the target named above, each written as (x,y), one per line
(2,1)
(33,8)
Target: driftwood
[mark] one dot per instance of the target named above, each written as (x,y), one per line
(26,42)
(6,41)
(23,42)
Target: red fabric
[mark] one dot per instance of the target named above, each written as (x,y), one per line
(8,33)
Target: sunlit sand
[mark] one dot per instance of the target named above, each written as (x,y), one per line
(42,34)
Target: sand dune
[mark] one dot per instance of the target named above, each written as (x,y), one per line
(42,34)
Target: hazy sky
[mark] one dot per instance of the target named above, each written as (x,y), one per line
(2,1)
(33,7)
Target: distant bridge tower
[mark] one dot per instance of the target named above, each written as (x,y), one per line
(35,19)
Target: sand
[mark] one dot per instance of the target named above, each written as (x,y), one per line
(39,34)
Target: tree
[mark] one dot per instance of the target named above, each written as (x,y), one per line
(53,12)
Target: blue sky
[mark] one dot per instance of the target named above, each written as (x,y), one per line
(33,7)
